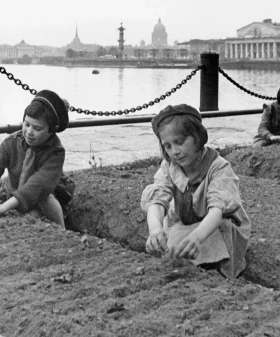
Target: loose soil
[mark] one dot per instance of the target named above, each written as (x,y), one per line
(97,280)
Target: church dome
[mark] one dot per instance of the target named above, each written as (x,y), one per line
(142,43)
(159,35)
(159,27)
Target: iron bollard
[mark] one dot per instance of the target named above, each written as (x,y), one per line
(209,81)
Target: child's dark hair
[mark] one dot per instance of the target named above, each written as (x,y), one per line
(185,125)
(38,110)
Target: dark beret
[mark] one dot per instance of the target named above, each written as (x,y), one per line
(56,106)
(181,109)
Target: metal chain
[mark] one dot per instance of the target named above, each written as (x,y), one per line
(112,113)
(17,81)
(143,106)
(244,89)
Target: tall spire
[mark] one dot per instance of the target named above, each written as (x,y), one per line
(76,30)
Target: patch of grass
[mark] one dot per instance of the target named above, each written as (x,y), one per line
(228,149)
(141,163)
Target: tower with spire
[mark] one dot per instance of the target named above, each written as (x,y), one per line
(76,43)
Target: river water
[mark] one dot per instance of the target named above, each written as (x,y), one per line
(119,89)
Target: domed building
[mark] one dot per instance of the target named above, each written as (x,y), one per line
(142,43)
(159,35)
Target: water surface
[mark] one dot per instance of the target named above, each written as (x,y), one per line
(119,89)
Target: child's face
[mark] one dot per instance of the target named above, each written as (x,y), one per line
(35,131)
(180,149)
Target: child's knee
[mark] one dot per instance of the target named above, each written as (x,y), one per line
(47,201)
(51,209)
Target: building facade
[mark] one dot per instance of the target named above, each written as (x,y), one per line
(27,51)
(157,49)
(78,46)
(192,49)
(23,49)
(259,41)
(34,53)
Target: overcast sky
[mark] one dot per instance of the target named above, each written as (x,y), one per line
(53,22)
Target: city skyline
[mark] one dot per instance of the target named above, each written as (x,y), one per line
(54,24)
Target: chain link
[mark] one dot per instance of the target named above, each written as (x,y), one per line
(244,89)
(17,81)
(111,113)
(143,106)
(140,107)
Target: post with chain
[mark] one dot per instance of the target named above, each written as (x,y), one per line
(209,81)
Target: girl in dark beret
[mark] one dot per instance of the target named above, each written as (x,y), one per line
(34,158)
(194,209)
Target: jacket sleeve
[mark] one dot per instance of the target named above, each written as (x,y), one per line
(161,191)
(42,182)
(265,123)
(223,190)
(3,158)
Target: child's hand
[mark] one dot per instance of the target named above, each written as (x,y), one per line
(187,248)
(157,243)
(8,205)
(274,139)
(2,210)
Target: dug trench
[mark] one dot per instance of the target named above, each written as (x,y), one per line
(97,280)
(107,205)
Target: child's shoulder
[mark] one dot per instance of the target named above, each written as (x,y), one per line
(221,159)
(58,141)
(14,136)
(221,166)
(53,144)
(220,162)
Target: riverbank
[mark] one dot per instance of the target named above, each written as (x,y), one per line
(174,64)
(256,64)
(250,64)
(105,63)
(117,144)
(144,64)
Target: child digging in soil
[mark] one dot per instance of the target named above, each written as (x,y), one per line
(194,208)
(34,159)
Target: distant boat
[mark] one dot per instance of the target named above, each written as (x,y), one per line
(95,71)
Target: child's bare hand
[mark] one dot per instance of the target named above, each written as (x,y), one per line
(187,248)
(157,243)
(274,139)
(2,210)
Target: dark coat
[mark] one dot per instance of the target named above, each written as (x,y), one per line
(49,160)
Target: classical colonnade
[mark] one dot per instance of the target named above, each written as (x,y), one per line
(252,50)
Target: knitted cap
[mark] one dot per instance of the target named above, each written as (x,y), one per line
(56,106)
(181,109)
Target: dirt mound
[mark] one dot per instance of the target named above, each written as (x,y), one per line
(98,281)
(263,162)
